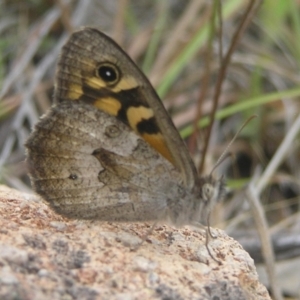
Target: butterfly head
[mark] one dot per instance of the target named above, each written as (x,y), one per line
(210,191)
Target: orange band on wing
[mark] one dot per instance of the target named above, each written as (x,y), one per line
(137,114)
(74,91)
(109,105)
(158,143)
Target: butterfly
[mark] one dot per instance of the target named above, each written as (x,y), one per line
(108,150)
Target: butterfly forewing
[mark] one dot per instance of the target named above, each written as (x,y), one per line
(87,60)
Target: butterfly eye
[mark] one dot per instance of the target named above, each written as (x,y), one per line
(109,73)
(207,191)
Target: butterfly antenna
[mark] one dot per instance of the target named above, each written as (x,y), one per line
(226,153)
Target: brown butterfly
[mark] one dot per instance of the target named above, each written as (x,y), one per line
(108,149)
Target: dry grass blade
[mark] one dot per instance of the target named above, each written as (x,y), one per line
(118,27)
(280,155)
(267,249)
(253,192)
(174,40)
(35,40)
(205,80)
(65,15)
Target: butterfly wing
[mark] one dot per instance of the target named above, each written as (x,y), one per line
(93,69)
(88,164)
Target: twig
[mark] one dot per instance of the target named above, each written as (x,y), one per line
(248,15)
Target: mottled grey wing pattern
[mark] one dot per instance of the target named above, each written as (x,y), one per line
(89,165)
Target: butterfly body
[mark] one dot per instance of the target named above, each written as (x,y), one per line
(108,150)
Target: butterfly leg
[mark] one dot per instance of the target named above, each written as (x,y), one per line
(208,234)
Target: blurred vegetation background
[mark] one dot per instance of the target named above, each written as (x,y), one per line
(170,40)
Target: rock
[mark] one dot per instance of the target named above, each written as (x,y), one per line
(45,256)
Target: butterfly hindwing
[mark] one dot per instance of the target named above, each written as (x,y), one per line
(90,168)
